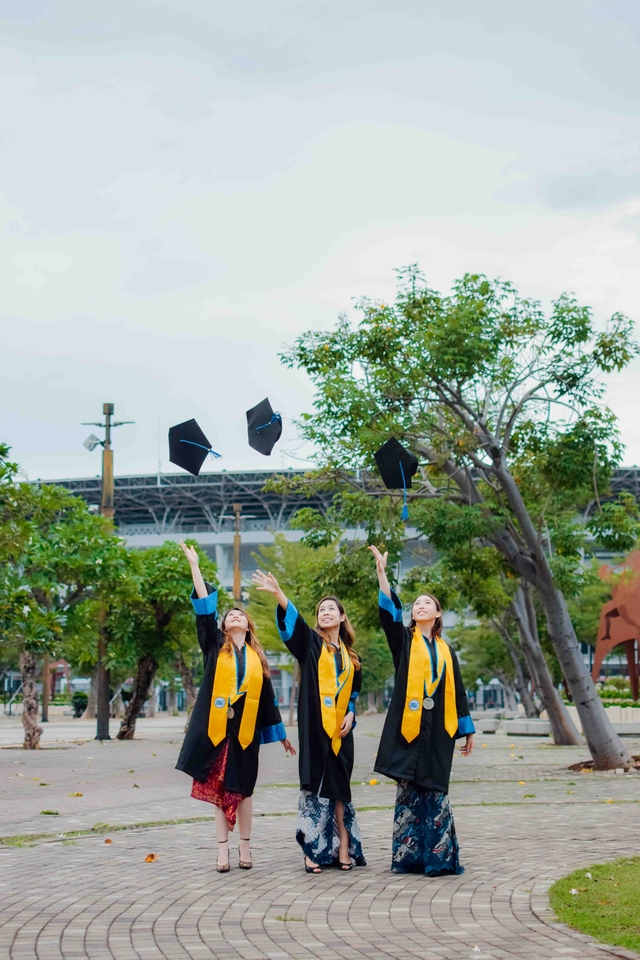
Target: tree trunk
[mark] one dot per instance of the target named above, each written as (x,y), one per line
(32,731)
(521,681)
(172,700)
(563,729)
(146,671)
(152,700)
(92,702)
(117,706)
(294,693)
(187,681)
(605,746)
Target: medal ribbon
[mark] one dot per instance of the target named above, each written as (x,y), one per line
(226,691)
(420,680)
(335,692)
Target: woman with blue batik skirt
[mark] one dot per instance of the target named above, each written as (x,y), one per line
(234,713)
(330,680)
(427,714)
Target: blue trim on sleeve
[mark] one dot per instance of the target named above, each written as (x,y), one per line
(465,726)
(205,605)
(288,622)
(386,603)
(271,734)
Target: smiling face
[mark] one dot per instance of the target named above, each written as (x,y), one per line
(329,615)
(425,609)
(235,620)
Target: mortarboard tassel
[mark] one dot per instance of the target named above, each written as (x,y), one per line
(276,418)
(210,450)
(405,507)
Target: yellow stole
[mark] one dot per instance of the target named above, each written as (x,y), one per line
(419,679)
(226,692)
(334,692)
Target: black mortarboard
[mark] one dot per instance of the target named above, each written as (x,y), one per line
(264,427)
(188,446)
(396,466)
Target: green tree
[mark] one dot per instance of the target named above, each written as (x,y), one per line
(55,556)
(150,627)
(503,405)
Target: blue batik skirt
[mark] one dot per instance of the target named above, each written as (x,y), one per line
(424,834)
(318,832)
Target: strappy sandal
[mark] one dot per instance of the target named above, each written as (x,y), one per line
(309,869)
(227,866)
(345,866)
(244,864)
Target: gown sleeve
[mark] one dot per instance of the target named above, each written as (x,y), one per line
(296,633)
(271,725)
(355,693)
(390,610)
(465,723)
(206,610)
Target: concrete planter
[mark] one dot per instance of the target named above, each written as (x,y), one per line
(527,728)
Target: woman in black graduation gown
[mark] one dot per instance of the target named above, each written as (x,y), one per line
(234,713)
(330,680)
(427,714)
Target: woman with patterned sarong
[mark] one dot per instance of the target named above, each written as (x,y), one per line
(234,713)
(427,714)
(330,680)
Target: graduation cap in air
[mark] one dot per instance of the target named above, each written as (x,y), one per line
(264,427)
(188,447)
(396,466)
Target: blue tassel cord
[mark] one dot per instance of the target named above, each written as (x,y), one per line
(213,453)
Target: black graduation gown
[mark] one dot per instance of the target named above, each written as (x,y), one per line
(198,753)
(426,761)
(321,771)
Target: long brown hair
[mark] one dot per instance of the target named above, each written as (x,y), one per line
(250,638)
(347,635)
(436,630)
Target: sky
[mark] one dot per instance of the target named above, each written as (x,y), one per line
(187,186)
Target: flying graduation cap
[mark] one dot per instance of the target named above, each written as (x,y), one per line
(264,427)
(188,447)
(396,466)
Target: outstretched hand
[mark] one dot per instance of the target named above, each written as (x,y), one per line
(266,582)
(288,747)
(380,558)
(190,553)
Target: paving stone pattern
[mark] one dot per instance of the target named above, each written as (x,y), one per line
(89,899)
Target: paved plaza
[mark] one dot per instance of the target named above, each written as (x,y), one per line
(522,817)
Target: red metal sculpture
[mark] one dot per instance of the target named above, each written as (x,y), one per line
(620,620)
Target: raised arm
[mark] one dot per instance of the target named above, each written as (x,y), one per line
(205,604)
(390,608)
(381,570)
(293,629)
(198,580)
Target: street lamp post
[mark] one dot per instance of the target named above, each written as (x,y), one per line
(237,578)
(107,510)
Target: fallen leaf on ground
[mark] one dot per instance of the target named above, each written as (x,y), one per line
(49,813)
(75,794)
(151,857)
(136,785)
(41,784)
(373,782)
(108,841)
(522,782)
(131,771)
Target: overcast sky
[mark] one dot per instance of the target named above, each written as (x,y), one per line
(186,185)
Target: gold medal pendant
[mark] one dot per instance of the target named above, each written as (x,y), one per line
(231,713)
(428,703)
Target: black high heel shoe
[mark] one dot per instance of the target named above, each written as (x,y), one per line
(226,867)
(244,864)
(309,869)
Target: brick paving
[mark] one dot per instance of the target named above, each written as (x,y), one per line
(83,898)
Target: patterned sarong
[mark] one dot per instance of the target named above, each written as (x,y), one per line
(213,791)
(318,832)
(424,834)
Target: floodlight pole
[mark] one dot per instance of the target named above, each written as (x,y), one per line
(107,507)
(237,585)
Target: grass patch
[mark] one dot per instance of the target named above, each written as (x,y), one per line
(602,901)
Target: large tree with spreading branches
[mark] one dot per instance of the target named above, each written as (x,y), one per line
(502,403)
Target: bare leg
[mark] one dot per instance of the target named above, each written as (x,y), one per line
(222,834)
(245,815)
(343,852)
